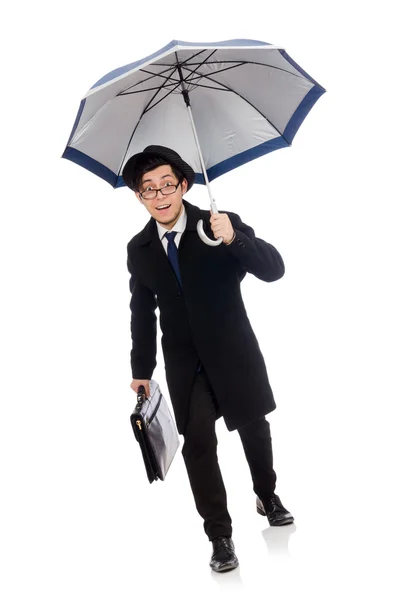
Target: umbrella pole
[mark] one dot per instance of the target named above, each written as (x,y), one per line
(204,170)
(214,209)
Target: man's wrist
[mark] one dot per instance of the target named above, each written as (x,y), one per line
(228,243)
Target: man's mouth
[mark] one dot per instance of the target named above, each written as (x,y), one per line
(163,207)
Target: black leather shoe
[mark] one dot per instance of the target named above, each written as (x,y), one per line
(276,513)
(223,557)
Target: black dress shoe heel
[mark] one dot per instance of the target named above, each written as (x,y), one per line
(260,511)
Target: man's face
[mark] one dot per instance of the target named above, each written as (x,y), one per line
(164,208)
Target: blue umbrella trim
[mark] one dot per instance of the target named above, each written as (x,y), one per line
(301,112)
(240,159)
(91,165)
(221,168)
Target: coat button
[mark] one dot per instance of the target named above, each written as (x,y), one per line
(178,295)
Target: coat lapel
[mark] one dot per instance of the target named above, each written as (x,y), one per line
(153,256)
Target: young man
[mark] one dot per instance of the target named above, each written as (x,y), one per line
(214,366)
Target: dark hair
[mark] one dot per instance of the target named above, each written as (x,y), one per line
(149,163)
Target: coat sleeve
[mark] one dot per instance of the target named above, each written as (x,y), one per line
(143,327)
(255,255)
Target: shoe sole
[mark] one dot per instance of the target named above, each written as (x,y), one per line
(287,521)
(225,568)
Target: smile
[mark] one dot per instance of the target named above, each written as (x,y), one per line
(163,207)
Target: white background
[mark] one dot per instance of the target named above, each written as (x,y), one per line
(79,519)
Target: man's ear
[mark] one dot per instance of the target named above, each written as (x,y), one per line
(137,194)
(184,186)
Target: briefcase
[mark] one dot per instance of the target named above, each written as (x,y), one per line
(155,430)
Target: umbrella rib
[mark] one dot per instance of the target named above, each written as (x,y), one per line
(165,85)
(229,89)
(198,65)
(209,87)
(177,83)
(250,62)
(154,95)
(180,64)
(145,110)
(125,92)
(161,99)
(167,77)
(189,79)
(169,68)
(234,66)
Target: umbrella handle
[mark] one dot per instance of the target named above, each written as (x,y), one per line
(200,229)
(204,238)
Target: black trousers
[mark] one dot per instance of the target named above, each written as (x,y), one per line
(200,455)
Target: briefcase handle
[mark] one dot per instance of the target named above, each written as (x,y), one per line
(141,394)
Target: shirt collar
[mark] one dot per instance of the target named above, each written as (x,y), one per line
(179,226)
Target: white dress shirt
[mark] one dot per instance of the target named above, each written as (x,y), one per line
(179,226)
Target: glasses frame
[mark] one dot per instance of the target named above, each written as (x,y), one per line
(161,190)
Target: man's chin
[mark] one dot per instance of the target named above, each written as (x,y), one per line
(167,220)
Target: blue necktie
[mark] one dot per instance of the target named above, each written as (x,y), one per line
(173,254)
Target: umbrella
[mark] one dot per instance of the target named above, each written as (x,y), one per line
(219,105)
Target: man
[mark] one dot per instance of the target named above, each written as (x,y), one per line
(213,362)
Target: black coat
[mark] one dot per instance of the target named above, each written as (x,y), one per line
(206,320)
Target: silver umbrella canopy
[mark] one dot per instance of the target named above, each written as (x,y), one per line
(219,105)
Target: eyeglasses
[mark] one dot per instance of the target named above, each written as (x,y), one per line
(167,190)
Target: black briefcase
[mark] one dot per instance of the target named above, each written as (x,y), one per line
(155,431)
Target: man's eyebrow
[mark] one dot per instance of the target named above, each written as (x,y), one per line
(163,177)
